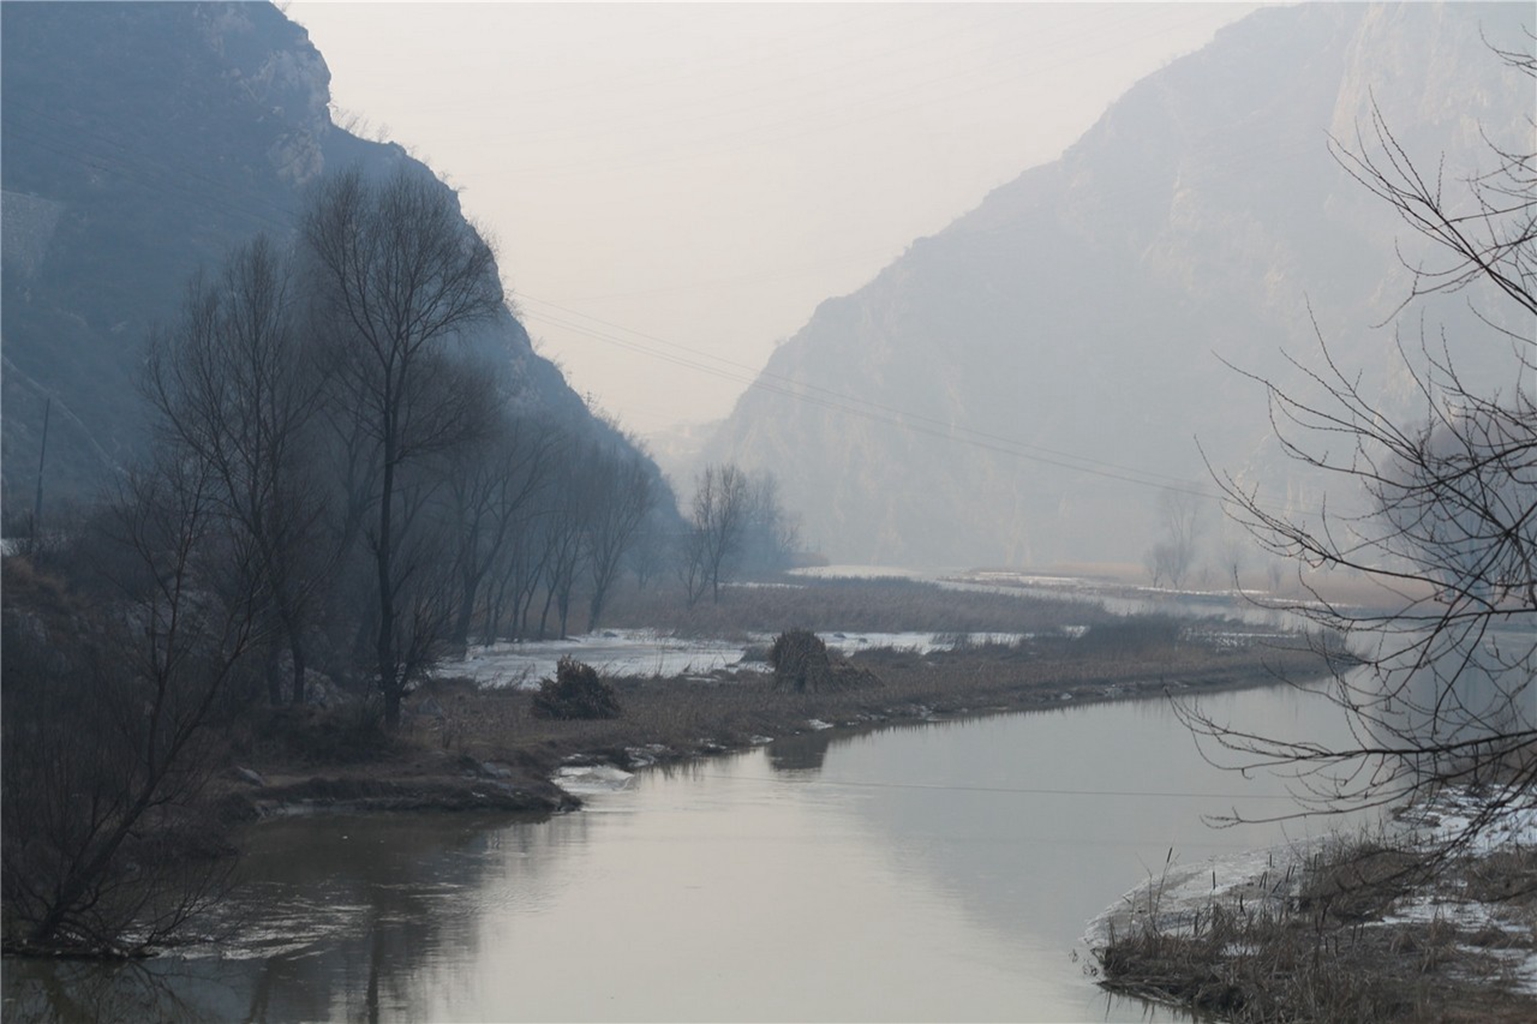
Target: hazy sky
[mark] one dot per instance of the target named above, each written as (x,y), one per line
(673,188)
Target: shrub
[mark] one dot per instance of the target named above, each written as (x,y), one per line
(1134,634)
(575,692)
(801,660)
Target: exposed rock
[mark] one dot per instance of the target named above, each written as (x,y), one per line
(144,141)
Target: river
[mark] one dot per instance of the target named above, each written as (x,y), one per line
(939,872)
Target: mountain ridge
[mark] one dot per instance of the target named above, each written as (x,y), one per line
(144,141)
(1084,312)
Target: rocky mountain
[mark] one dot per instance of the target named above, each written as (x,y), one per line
(1016,389)
(142,141)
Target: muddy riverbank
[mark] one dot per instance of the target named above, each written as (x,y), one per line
(465,746)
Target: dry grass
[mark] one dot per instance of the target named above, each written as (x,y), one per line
(453,727)
(876,606)
(1323,952)
(685,717)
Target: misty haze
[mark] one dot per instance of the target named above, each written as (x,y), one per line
(778,511)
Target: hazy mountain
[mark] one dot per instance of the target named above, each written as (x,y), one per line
(984,398)
(142,141)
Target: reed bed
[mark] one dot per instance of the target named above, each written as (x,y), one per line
(853,605)
(1325,943)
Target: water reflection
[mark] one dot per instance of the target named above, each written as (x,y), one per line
(335,918)
(940,872)
(803,753)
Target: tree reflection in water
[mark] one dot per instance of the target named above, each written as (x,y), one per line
(348,911)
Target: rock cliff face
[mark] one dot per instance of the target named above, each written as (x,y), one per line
(1015,389)
(142,141)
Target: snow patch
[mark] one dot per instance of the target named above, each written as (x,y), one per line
(614,652)
(1449,815)
(649,654)
(856,572)
(585,780)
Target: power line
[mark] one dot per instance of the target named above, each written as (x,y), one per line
(157,175)
(839,401)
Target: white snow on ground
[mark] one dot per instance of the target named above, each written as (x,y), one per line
(1449,814)
(762,585)
(1445,818)
(1171,898)
(1020,579)
(614,652)
(919,643)
(856,572)
(644,652)
(586,780)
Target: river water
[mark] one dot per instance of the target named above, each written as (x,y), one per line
(939,872)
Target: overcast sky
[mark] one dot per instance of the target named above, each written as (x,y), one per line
(673,188)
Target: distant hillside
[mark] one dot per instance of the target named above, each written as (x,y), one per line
(984,400)
(142,141)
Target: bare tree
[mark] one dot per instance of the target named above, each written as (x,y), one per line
(771,533)
(492,490)
(1181,522)
(1439,689)
(562,526)
(716,529)
(620,494)
(649,556)
(398,274)
(529,557)
(693,564)
(108,742)
(425,576)
(236,387)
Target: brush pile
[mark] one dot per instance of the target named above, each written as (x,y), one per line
(576,692)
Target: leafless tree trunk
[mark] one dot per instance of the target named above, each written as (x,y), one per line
(563,526)
(105,752)
(493,490)
(620,495)
(398,275)
(1179,516)
(717,528)
(771,534)
(236,388)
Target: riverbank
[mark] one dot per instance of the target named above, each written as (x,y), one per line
(467,746)
(1375,927)
(936,872)
(1288,935)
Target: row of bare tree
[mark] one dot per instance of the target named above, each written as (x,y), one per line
(337,482)
(340,489)
(384,485)
(736,523)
